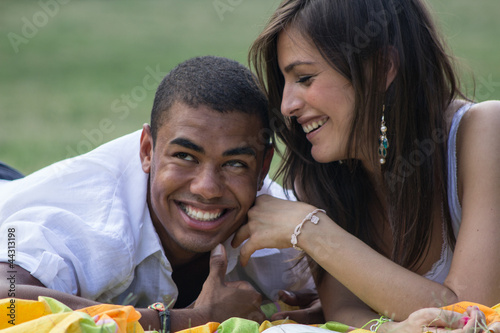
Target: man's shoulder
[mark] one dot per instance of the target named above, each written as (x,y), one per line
(273,188)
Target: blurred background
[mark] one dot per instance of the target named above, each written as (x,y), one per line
(77,73)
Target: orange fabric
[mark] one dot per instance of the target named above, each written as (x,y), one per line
(492,314)
(126,317)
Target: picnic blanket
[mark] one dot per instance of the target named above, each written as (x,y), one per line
(50,315)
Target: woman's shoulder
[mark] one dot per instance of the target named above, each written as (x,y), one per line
(478,112)
(481,119)
(486,109)
(478,142)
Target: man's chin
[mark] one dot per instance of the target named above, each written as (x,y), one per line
(198,246)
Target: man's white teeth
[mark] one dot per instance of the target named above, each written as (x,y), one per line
(314,125)
(201,215)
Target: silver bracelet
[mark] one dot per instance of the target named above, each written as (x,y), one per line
(310,217)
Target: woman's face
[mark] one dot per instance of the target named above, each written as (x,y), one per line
(321,99)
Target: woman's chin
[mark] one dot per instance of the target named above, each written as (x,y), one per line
(322,156)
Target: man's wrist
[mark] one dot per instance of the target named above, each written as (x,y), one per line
(163,315)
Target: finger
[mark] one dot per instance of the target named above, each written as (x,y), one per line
(241,234)
(494,328)
(245,252)
(257,316)
(243,285)
(288,297)
(218,265)
(434,317)
(476,320)
(303,297)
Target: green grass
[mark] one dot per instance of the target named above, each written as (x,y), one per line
(72,73)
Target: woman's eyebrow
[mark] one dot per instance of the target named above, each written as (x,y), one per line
(291,66)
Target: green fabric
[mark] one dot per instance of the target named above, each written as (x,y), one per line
(238,325)
(335,326)
(269,309)
(55,306)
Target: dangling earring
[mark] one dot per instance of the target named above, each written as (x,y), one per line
(383,142)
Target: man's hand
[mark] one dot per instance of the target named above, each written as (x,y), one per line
(310,311)
(220,300)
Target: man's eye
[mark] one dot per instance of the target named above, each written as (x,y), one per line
(184,156)
(236,164)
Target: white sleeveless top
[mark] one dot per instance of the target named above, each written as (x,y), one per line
(441,268)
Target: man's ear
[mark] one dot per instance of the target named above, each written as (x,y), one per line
(392,66)
(146,149)
(268,157)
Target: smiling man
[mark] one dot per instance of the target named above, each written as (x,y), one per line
(140,219)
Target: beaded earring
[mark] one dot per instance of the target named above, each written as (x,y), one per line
(383,142)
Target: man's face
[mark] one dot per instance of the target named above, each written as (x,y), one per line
(204,171)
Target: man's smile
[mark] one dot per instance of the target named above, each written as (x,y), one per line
(201,214)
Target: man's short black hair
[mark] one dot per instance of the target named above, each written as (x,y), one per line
(221,84)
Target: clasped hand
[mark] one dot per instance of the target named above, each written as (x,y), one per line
(271,222)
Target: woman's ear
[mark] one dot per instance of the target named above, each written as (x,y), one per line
(392,66)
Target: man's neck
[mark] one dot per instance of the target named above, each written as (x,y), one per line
(189,279)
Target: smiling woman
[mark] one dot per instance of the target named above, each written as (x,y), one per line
(393,228)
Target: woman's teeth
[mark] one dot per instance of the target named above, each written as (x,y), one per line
(314,125)
(201,215)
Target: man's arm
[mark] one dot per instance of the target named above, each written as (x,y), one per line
(28,287)
(218,300)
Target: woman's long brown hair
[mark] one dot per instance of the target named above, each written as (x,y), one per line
(357,38)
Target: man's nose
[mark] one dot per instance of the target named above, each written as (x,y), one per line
(208,183)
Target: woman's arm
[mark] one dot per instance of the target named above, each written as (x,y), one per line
(476,267)
(381,284)
(341,305)
(377,281)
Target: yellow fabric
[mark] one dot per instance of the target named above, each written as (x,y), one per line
(209,327)
(49,315)
(19,311)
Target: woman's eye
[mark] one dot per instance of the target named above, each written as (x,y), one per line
(184,156)
(304,79)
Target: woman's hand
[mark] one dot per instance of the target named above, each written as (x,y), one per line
(436,320)
(271,222)
(310,311)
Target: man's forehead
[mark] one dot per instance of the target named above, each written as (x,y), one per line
(204,127)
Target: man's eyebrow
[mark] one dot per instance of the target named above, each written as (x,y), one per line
(289,67)
(187,144)
(240,151)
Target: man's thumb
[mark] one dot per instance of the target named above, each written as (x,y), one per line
(218,263)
